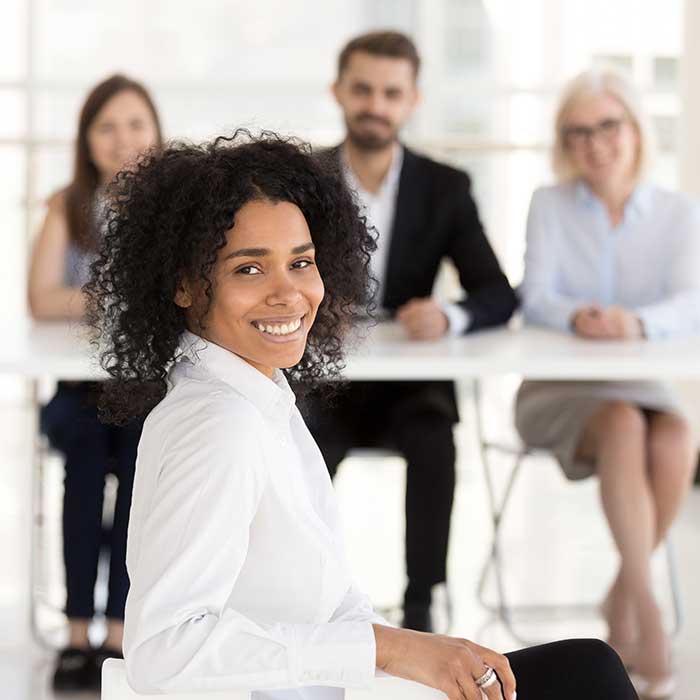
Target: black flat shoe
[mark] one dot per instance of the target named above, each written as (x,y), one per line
(416,616)
(73,670)
(99,656)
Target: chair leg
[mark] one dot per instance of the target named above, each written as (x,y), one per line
(38,522)
(496,510)
(674,586)
(494,561)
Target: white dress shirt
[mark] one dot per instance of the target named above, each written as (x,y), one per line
(380,210)
(239,577)
(649,264)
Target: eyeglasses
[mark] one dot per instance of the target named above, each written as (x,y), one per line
(607,129)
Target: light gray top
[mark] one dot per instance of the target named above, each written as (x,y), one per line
(649,264)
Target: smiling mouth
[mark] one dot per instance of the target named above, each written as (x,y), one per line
(277,329)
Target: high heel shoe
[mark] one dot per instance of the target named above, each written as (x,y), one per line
(654,689)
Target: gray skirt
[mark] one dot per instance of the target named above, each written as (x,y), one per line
(553,414)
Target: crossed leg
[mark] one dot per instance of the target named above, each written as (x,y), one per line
(644,466)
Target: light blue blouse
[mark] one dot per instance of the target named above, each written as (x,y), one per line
(649,264)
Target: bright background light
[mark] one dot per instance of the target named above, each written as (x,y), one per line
(492,73)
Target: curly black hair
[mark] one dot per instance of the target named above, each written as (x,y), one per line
(167,219)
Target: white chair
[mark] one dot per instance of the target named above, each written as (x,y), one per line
(115,687)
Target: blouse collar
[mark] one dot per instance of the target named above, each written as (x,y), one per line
(272,397)
(639,201)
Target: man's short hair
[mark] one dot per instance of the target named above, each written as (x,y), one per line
(385,43)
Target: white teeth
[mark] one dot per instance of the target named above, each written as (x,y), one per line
(283,329)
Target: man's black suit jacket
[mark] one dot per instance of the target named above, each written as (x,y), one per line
(436,217)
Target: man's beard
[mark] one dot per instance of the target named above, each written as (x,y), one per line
(368,141)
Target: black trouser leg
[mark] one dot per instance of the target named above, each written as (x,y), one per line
(575,669)
(331,429)
(72,425)
(426,441)
(125,442)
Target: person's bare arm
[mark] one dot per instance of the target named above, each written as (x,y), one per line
(49,298)
(448,664)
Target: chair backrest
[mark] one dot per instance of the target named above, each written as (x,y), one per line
(115,687)
(392,688)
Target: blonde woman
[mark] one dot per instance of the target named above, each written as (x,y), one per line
(611,256)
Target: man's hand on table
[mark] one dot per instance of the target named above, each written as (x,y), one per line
(422,319)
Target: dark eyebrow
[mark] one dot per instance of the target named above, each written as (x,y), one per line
(303,248)
(261,252)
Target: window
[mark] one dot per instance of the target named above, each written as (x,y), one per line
(492,74)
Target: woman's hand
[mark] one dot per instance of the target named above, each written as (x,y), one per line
(625,325)
(589,322)
(612,323)
(448,664)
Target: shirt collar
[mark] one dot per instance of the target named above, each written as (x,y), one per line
(272,397)
(639,201)
(390,180)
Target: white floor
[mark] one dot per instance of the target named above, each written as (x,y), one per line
(558,550)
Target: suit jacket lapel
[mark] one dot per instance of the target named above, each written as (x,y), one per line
(407,215)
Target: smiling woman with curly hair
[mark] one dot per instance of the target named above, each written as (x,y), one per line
(168,222)
(223,265)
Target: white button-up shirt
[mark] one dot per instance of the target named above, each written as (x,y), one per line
(380,210)
(238,574)
(649,264)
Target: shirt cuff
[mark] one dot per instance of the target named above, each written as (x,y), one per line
(335,654)
(652,327)
(458,319)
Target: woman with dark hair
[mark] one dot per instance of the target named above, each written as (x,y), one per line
(118,122)
(227,269)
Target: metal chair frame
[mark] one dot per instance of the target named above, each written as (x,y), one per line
(40,453)
(503,609)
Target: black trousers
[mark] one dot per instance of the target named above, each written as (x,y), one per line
(416,419)
(574,669)
(91,450)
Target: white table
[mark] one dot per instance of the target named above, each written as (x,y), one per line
(60,351)
(532,352)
